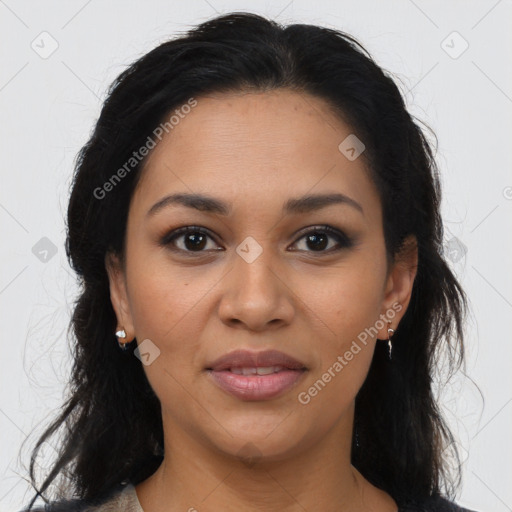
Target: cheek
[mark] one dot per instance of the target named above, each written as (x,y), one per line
(349,307)
(164,296)
(344,359)
(350,299)
(164,309)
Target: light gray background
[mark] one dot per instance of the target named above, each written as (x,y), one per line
(49,106)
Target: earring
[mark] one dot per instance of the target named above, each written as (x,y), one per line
(390,345)
(121,334)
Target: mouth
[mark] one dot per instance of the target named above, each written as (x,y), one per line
(257,370)
(255,376)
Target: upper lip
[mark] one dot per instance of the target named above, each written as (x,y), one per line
(248,359)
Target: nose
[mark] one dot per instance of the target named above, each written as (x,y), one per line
(256,296)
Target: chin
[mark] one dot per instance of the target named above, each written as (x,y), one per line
(271,439)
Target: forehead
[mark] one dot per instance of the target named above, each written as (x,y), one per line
(255,147)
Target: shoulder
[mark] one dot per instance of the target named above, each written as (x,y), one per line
(435,503)
(122,497)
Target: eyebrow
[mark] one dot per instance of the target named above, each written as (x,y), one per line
(304,204)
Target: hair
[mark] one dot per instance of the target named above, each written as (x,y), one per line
(111,417)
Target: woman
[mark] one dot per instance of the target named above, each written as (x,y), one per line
(255,222)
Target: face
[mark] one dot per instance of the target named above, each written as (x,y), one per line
(259,269)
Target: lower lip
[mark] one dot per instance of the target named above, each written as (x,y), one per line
(256,387)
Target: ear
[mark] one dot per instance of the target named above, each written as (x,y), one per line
(119,296)
(399,284)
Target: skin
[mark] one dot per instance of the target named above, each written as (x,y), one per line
(254,151)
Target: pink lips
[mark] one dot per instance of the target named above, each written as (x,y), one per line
(256,375)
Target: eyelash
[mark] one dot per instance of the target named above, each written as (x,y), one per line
(344,241)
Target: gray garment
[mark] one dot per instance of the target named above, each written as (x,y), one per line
(126,500)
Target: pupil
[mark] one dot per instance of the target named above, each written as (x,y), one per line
(314,238)
(195,241)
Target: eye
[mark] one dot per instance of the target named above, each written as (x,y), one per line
(194,239)
(317,240)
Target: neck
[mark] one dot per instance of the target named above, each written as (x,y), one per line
(197,477)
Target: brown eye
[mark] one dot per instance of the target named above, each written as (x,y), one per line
(193,239)
(317,240)
(189,239)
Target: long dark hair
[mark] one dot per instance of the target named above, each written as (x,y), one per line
(111,420)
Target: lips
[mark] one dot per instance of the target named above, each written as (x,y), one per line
(247,359)
(256,375)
